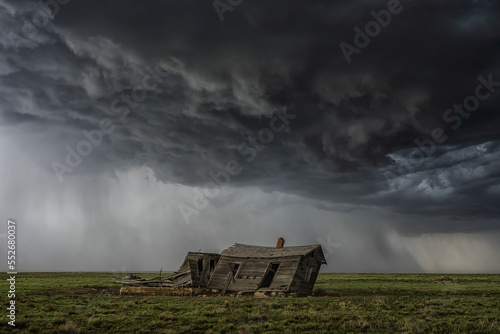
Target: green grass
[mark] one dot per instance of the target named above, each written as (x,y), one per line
(343,303)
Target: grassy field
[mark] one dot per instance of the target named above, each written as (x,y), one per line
(342,303)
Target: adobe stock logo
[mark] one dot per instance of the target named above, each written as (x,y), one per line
(461,111)
(248,149)
(120,108)
(225,6)
(47,10)
(372,29)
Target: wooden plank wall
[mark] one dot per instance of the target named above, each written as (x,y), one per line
(193,268)
(285,274)
(299,284)
(251,273)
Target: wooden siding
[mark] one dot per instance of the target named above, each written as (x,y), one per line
(190,266)
(299,282)
(251,273)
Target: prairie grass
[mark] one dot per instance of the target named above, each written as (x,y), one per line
(342,303)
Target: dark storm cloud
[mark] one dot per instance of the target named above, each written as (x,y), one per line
(354,122)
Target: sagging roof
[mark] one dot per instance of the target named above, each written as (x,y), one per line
(250,251)
(202,254)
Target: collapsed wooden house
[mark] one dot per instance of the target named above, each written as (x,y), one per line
(195,271)
(246,268)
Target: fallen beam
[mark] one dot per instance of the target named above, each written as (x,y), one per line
(154,291)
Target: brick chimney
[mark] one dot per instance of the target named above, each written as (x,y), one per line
(280,243)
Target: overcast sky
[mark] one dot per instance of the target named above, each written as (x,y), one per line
(133,132)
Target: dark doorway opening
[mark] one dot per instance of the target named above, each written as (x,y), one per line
(200,267)
(212,266)
(234,268)
(271,272)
